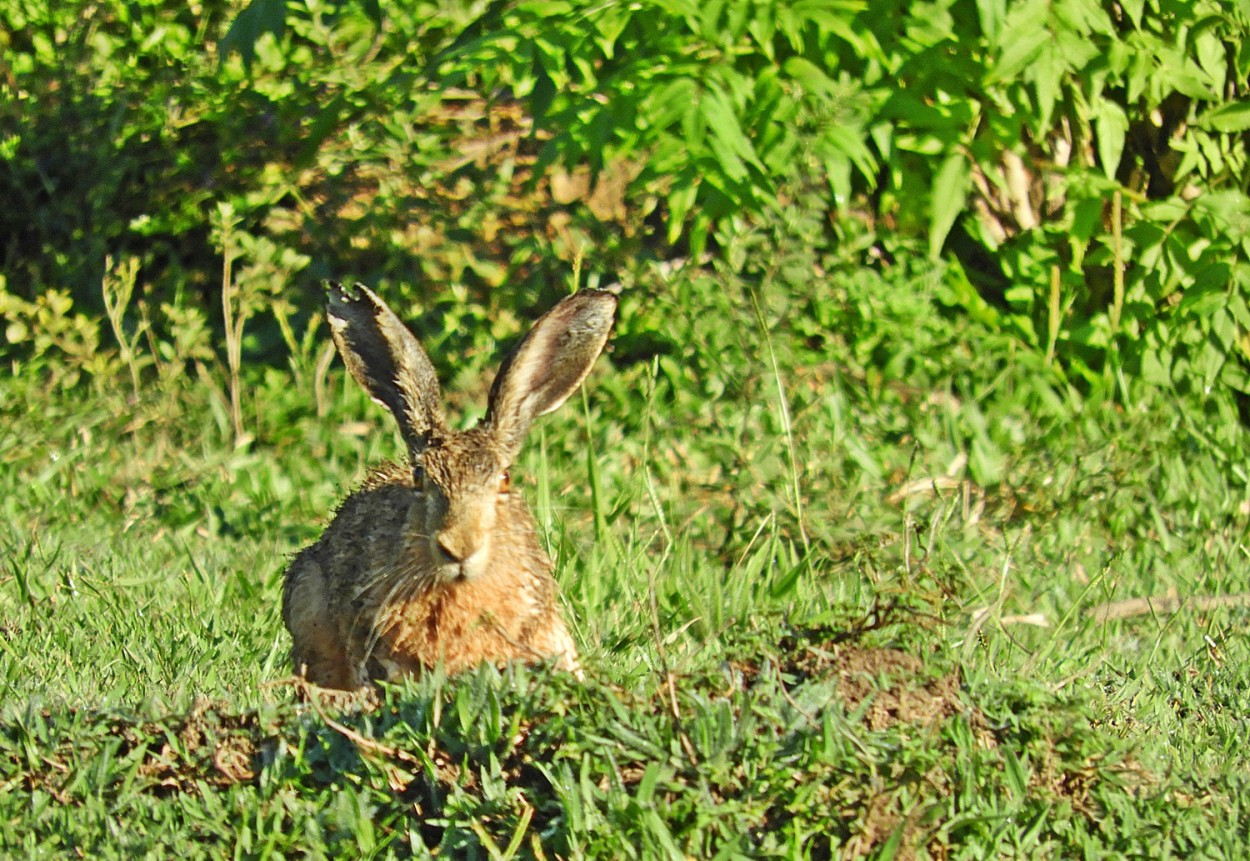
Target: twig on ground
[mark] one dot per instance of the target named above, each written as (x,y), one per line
(1164,605)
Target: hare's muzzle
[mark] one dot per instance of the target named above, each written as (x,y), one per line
(457,563)
(460,542)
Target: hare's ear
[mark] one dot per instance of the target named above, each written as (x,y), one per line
(386,359)
(548,365)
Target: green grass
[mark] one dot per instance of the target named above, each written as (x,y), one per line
(838,563)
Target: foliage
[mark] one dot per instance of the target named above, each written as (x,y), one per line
(1097,194)
(124,135)
(48,324)
(1088,200)
(864,550)
(1101,150)
(711,106)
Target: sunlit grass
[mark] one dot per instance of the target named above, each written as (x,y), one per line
(927,659)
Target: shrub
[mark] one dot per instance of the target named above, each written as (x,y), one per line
(1078,166)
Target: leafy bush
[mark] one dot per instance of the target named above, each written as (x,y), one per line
(1078,165)
(124,132)
(1081,164)
(1101,149)
(710,106)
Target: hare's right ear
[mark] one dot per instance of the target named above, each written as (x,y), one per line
(386,359)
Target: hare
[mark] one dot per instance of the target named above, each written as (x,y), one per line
(437,561)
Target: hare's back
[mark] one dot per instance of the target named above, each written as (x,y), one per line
(370,531)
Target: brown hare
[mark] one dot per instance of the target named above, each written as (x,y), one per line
(436,561)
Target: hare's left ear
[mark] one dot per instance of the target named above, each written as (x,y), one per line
(548,365)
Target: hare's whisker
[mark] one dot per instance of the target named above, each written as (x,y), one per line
(411,579)
(389,583)
(404,565)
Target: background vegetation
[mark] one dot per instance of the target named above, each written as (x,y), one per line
(906,515)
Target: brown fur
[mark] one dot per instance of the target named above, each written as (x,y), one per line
(451,623)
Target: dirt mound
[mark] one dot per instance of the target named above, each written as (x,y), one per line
(889,685)
(892,687)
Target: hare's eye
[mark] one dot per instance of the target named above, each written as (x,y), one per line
(505,482)
(418,478)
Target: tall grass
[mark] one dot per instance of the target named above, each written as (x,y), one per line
(946,650)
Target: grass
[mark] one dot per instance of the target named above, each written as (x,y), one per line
(850,577)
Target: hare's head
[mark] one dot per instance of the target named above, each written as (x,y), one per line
(462,476)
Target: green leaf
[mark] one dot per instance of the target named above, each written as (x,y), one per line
(1156,367)
(946,200)
(610,26)
(709,21)
(1017,774)
(1202,301)
(1026,34)
(1049,67)
(1231,117)
(1134,9)
(807,73)
(838,174)
(849,142)
(260,17)
(731,145)
(840,24)
(991,14)
(1228,212)
(542,95)
(659,830)
(1111,124)
(680,201)
(762,27)
(670,103)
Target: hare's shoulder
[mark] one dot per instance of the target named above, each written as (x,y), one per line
(389,475)
(371,523)
(384,496)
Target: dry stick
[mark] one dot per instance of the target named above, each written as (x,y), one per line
(370,745)
(313,694)
(1163,605)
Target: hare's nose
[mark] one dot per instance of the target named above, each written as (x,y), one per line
(458,545)
(463,539)
(462,556)
(451,548)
